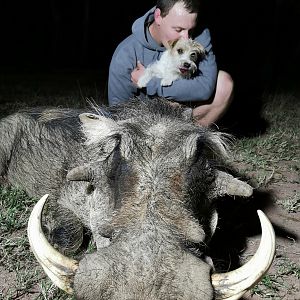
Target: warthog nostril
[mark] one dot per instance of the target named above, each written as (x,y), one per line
(186,65)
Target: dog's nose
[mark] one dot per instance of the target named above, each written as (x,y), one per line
(186,65)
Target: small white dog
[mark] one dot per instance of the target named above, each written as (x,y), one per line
(178,61)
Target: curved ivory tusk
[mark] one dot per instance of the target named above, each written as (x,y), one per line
(232,285)
(58,267)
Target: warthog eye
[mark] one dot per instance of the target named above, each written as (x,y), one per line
(89,189)
(179,51)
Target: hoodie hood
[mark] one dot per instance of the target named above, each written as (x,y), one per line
(140,30)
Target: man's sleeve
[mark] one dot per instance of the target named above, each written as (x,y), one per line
(200,87)
(120,86)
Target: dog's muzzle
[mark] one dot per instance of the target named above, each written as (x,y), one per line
(187,69)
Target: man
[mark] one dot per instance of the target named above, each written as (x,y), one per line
(209,93)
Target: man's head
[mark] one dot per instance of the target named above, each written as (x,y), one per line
(174,19)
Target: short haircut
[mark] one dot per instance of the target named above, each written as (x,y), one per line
(192,6)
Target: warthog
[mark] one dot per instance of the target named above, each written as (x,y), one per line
(142,178)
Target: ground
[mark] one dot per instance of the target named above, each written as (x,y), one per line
(283,280)
(269,161)
(241,231)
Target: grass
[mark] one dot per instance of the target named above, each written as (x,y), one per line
(266,159)
(280,142)
(15,256)
(276,286)
(15,209)
(273,159)
(69,89)
(274,155)
(291,203)
(14,247)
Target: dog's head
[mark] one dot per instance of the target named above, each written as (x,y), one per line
(185,54)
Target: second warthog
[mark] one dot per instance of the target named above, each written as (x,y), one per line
(142,178)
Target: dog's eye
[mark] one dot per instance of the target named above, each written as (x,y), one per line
(180,50)
(193,55)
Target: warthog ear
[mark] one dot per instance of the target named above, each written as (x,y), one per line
(106,133)
(96,128)
(208,143)
(190,147)
(103,132)
(215,144)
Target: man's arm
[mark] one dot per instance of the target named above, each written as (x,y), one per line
(120,86)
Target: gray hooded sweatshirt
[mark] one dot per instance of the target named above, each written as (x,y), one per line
(140,46)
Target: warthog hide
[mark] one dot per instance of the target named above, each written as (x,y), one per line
(141,177)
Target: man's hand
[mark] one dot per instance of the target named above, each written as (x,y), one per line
(137,72)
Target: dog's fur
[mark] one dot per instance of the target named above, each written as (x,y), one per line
(178,61)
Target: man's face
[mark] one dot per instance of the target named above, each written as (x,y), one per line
(178,23)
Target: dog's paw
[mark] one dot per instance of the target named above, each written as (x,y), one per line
(166,82)
(142,82)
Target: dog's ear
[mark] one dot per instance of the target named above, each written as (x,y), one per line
(199,48)
(172,43)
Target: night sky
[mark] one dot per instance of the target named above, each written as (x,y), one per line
(257,42)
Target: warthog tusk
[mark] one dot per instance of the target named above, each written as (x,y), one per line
(232,285)
(228,185)
(58,267)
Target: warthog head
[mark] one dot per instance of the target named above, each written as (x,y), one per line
(164,181)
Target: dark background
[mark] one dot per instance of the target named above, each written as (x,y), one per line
(257,42)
